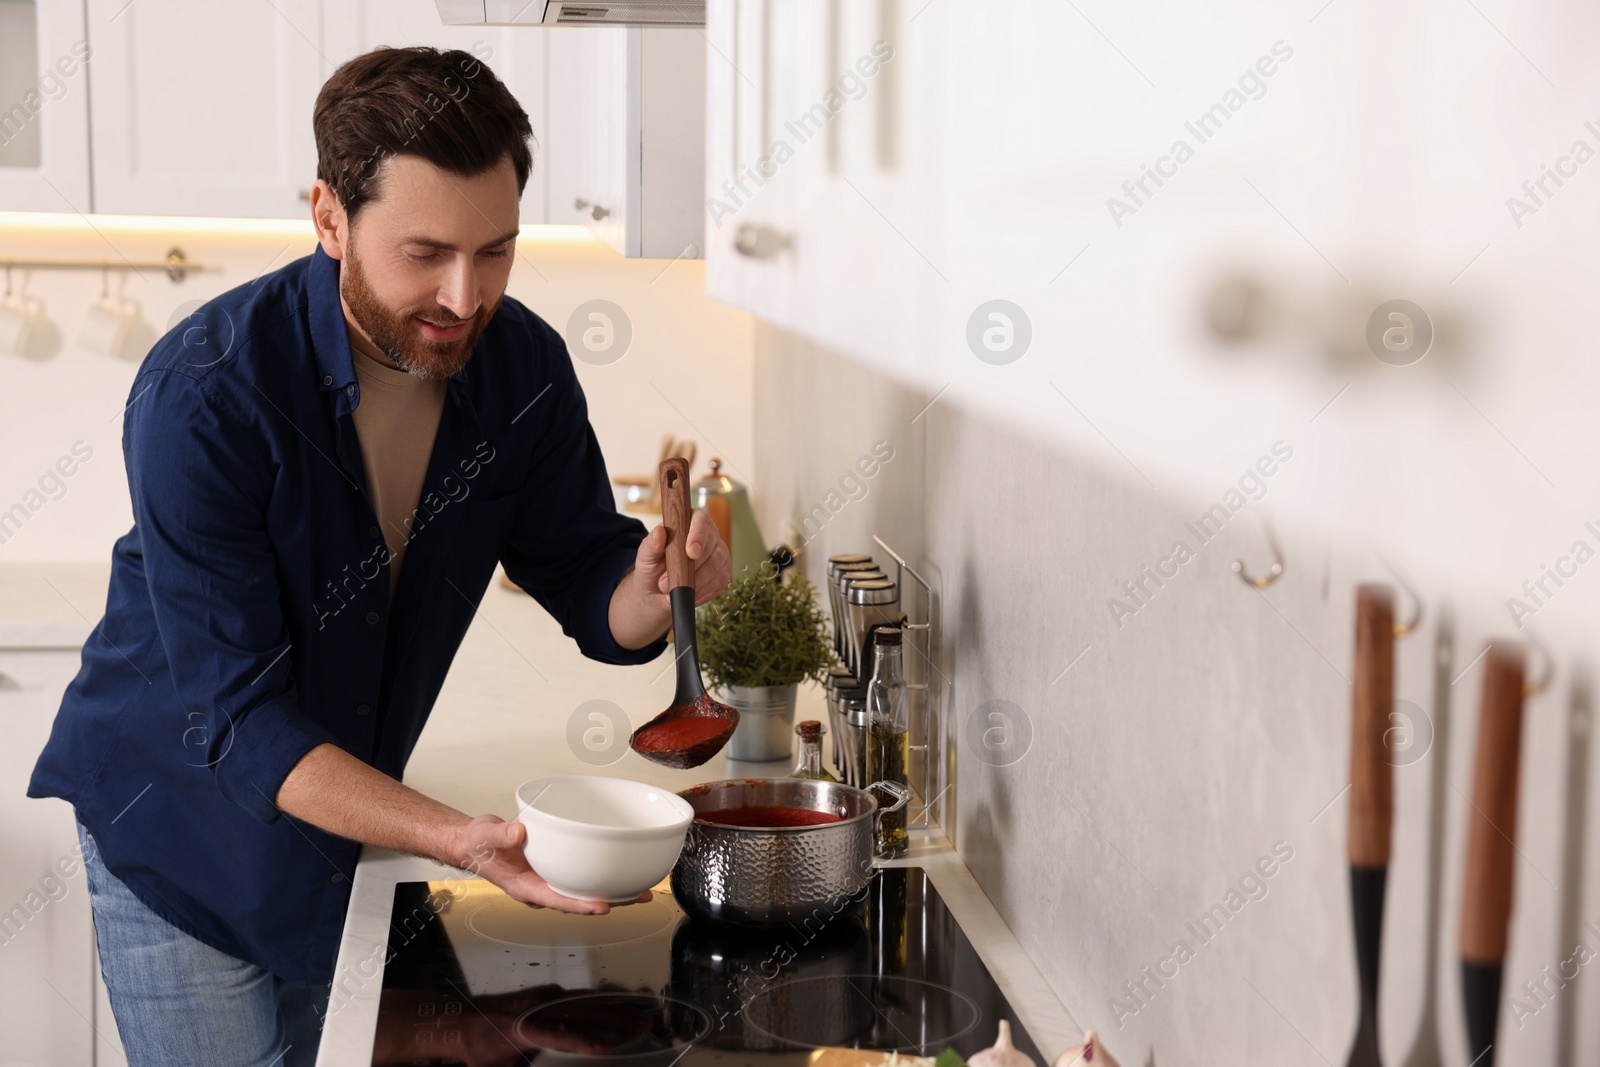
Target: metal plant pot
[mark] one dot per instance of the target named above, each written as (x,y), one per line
(766,721)
(800,876)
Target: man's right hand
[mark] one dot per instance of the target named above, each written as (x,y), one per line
(336,792)
(491,848)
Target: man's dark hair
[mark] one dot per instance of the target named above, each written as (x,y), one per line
(446,107)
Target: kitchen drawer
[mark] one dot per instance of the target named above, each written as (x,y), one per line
(47,995)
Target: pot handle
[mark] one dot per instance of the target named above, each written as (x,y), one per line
(690,839)
(902,795)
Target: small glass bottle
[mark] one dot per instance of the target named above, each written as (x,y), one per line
(809,765)
(889,720)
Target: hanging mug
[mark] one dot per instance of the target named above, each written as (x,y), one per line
(20,316)
(111,319)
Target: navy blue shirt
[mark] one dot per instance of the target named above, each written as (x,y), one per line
(248,618)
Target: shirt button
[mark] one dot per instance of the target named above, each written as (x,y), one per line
(362,709)
(372,531)
(349,390)
(327,379)
(372,618)
(338,876)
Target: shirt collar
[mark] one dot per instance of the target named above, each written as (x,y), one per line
(330,338)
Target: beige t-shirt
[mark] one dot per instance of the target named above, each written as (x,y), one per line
(396,420)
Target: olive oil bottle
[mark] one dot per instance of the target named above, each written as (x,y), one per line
(888,723)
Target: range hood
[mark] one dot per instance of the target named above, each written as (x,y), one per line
(570,13)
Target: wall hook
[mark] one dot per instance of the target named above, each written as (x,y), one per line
(1272,575)
(1406,627)
(1535,687)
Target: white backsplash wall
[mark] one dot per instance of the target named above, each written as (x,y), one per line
(1205,736)
(687,370)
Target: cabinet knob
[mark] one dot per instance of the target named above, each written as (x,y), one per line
(598,212)
(760,242)
(580,203)
(305,194)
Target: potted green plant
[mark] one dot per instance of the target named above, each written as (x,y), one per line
(758,641)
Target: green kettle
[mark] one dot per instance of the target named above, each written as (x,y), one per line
(727,504)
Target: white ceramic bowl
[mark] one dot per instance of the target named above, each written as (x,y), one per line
(597,838)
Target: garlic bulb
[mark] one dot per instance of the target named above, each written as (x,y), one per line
(1090,1052)
(1003,1054)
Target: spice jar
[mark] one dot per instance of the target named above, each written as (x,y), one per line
(838,679)
(848,580)
(838,566)
(853,705)
(871,604)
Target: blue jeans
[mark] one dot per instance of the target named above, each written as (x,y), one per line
(178,1001)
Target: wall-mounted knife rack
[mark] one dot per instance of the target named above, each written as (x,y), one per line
(921,688)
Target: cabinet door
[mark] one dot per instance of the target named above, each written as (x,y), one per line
(815,219)
(46,935)
(517,57)
(44,84)
(594,129)
(204,109)
(668,176)
(752,248)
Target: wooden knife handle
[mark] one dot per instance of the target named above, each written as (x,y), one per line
(1492,818)
(675,517)
(1371,770)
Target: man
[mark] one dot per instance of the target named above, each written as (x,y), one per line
(325,467)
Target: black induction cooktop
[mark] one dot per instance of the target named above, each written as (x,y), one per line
(473,977)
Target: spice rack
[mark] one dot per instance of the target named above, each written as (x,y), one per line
(921,690)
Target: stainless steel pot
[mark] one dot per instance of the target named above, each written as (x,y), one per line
(791,875)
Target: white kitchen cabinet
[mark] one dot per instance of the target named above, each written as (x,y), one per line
(188,123)
(48,1008)
(44,132)
(517,57)
(1011,138)
(627,126)
(822,191)
(185,122)
(204,109)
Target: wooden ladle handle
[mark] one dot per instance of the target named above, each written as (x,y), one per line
(675,517)
(1371,769)
(1492,817)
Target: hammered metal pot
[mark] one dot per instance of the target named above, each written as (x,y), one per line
(799,875)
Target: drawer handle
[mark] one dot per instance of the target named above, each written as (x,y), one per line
(597,212)
(760,242)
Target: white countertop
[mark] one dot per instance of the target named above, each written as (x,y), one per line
(51,605)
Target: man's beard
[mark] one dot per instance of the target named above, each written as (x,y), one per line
(397,337)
